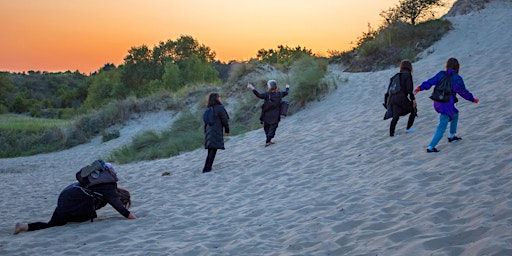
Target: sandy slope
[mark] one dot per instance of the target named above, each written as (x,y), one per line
(333,184)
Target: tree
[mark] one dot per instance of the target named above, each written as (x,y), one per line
(283,55)
(195,70)
(410,11)
(172,77)
(139,69)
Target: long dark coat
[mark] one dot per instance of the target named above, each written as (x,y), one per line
(214,135)
(401,103)
(271,114)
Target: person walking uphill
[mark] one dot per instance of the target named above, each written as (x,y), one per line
(271,108)
(447,84)
(399,99)
(215,125)
(79,202)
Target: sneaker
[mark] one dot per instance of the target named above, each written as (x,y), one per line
(410,130)
(455,138)
(433,150)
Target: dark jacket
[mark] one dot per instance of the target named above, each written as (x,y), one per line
(271,108)
(76,203)
(401,103)
(214,135)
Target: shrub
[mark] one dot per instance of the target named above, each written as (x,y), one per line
(185,134)
(391,44)
(306,78)
(107,135)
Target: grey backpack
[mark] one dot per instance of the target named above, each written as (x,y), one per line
(96,173)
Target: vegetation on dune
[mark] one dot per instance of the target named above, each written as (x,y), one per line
(399,37)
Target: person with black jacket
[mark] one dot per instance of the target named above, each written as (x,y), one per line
(214,132)
(79,204)
(271,108)
(403,102)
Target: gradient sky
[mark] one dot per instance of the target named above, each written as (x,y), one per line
(58,35)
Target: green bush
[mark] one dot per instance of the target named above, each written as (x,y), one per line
(107,135)
(185,134)
(392,43)
(306,75)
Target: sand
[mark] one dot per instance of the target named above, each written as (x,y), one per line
(334,184)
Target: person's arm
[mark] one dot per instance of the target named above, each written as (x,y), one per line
(460,88)
(109,192)
(259,95)
(224,119)
(283,94)
(409,88)
(431,82)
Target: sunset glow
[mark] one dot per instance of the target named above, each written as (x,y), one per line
(57,35)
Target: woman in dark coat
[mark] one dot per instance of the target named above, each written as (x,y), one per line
(271,108)
(214,129)
(78,204)
(403,102)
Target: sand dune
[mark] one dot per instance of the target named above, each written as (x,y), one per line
(334,184)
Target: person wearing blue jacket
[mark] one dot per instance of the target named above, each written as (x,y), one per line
(447,111)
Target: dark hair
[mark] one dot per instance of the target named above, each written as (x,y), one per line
(453,63)
(405,65)
(125,197)
(213,99)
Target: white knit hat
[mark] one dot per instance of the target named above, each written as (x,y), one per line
(272,84)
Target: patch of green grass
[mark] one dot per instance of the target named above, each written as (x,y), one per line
(12,122)
(186,134)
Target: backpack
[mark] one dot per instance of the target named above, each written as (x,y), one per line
(95,173)
(209,117)
(284,107)
(269,104)
(394,85)
(443,91)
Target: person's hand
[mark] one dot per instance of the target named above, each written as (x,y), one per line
(287,86)
(476,100)
(132,216)
(250,86)
(414,104)
(418,89)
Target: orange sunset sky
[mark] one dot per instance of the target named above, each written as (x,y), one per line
(58,35)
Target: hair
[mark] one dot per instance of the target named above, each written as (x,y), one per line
(125,197)
(453,63)
(405,65)
(213,99)
(272,86)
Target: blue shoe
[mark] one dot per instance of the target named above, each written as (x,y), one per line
(410,130)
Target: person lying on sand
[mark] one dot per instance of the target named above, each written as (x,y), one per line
(79,204)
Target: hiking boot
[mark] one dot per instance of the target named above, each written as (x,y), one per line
(433,150)
(454,138)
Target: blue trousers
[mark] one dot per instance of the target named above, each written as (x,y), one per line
(441,128)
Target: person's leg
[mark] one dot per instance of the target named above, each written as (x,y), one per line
(272,132)
(443,123)
(453,125)
(56,220)
(266,128)
(410,122)
(392,125)
(209,160)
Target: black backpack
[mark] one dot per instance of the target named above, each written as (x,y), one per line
(270,105)
(95,173)
(443,91)
(284,107)
(209,117)
(394,85)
